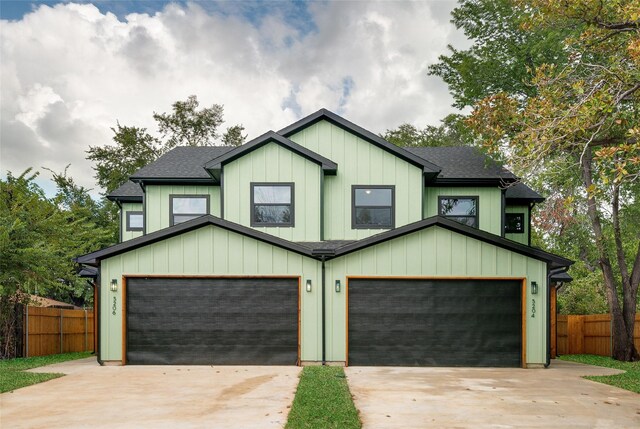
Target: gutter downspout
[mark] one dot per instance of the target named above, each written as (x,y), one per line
(550,273)
(96,313)
(324,361)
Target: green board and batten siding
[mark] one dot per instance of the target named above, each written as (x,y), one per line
(157,202)
(489,203)
(274,163)
(524,237)
(436,252)
(433,252)
(209,251)
(128,207)
(360,163)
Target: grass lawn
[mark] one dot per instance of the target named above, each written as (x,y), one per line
(12,375)
(323,401)
(630,380)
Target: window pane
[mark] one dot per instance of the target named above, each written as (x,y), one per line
(514,222)
(272,194)
(135,221)
(189,205)
(183,218)
(470,221)
(272,214)
(375,217)
(373,197)
(458,206)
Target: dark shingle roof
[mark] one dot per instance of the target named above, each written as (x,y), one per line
(463,162)
(183,162)
(128,191)
(325,245)
(520,191)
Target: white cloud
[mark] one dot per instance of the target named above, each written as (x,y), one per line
(69,72)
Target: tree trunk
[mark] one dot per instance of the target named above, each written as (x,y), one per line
(623,319)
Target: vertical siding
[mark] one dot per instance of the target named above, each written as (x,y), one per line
(520,238)
(128,207)
(436,252)
(489,203)
(209,251)
(274,163)
(157,202)
(360,163)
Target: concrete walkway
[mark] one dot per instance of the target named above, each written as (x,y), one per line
(153,397)
(491,398)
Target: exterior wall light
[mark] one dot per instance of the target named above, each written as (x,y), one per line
(114,285)
(338,285)
(534,288)
(308,287)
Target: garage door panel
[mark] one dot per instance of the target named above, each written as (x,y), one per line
(434,322)
(212,321)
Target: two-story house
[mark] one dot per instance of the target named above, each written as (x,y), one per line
(323,242)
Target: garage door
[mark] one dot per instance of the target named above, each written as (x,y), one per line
(434,322)
(198,321)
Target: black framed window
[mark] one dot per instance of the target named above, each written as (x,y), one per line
(373,207)
(186,207)
(272,204)
(135,221)
(460,209)
(514,223)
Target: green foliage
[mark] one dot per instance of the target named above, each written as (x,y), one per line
(12,376)
(233,136)
(629,380)
(323,401)
(584,295)
(134,148)
(503,56)
(452,132)
(186,126)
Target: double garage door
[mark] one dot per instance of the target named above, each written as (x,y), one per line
(207,321)
(400,322)
(418,322)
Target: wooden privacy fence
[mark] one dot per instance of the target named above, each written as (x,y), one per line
(590,334)
(49,331)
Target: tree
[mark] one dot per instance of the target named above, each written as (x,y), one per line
(584,117)
(134,148)
(452,132)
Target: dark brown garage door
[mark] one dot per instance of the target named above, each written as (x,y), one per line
(203,321)
(434,322)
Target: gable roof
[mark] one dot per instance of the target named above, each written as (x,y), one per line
(215,165)
(127,192)
(323,250)
(462,163)
(182,163)
(428,167)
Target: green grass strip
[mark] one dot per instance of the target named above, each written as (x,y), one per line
(630,380)
(12,375)
(323,401)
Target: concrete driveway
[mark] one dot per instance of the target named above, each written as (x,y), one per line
(491,398)
(153,397)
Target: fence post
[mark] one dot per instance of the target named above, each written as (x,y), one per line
(61,310)
(86,333)
(27,333)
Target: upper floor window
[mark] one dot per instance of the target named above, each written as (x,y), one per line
(272,204)
(373,207)
(135,221)
(514,223)
(460,209)
(186,207)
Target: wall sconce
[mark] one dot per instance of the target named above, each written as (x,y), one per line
(114,285)
(534,288)
(308,285)
(338,285)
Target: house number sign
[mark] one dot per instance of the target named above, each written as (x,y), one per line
(533,307)
(113,307)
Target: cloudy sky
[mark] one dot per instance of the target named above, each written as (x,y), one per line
(70,71)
